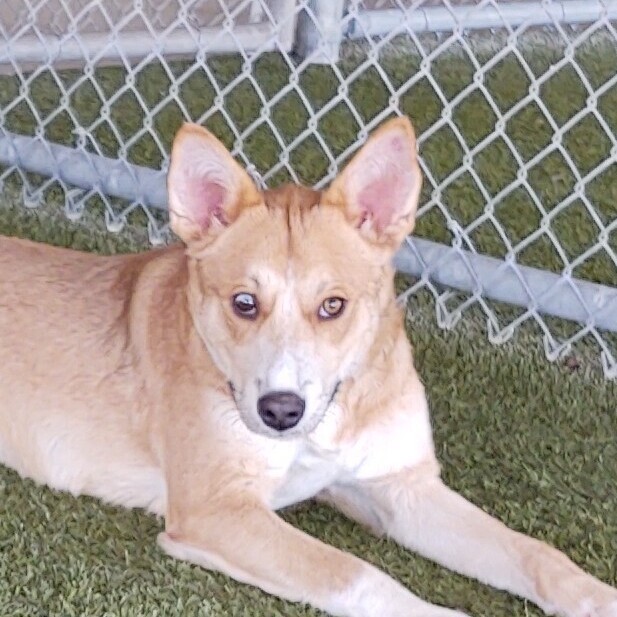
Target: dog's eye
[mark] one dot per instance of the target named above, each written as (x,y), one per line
(245,305)
(331,308)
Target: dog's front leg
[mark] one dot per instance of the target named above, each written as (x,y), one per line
(420,512)
(247,541)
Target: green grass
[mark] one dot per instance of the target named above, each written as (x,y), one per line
(532,443)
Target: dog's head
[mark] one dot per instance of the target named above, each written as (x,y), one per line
(287,287)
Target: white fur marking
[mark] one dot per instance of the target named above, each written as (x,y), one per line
(309,473)
(283,375)
(404,440)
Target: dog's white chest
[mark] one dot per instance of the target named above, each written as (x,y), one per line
(309,473)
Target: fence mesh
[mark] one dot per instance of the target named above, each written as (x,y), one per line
(516,122)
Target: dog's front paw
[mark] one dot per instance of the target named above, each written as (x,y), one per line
(599,601)
(564,589)
(601,610)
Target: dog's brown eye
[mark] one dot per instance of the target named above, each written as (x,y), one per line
(331,307)
(245,305)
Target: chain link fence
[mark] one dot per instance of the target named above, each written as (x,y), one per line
(515,106)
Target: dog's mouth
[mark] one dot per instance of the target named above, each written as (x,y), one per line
(232,391)
(304,427)
(335,390)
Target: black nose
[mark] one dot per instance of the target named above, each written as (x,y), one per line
(280,410)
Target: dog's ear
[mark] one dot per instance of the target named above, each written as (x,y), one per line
(379,188)
(207,189)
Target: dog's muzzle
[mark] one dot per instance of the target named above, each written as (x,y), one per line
(281,410)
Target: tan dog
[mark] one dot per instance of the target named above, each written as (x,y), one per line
(263,363)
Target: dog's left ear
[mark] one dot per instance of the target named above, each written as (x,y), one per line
(379,188)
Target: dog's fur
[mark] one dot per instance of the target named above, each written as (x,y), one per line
(135,380)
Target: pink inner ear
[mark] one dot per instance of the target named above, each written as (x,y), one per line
(384,199)
(204,200)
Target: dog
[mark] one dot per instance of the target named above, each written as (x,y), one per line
(261,362)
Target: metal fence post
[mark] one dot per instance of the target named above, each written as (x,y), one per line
(320,30)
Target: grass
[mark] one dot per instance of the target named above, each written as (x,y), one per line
(532,443)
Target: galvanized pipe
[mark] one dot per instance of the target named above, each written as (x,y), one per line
(472,17)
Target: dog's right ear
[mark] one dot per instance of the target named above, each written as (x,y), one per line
(207,189)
